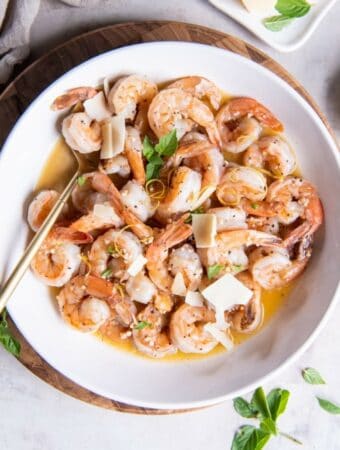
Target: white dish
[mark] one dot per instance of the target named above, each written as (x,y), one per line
(287,40)
(139,381)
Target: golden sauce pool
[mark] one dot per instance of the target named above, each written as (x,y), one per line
(59,168)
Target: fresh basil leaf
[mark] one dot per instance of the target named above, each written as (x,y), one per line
(153,167)
(259,403)
(268,426)
(81,180)
(277,401)
(6,338)
(213,271)
(243,408)
(276,23)
(148,148)
(106,273)
(111,250)
(199,210)
(293,8)
(312,376)
(250,438)
(142,324)
(328,406)
(167,144)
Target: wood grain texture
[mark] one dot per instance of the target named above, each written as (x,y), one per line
(27,86)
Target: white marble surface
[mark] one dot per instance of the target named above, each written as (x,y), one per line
(34,416)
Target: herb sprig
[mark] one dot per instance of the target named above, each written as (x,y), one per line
(265,408)
(289,10)
(6,338)
(166,146)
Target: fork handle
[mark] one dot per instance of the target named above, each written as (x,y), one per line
(25,260)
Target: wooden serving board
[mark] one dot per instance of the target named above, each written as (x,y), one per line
(28,85)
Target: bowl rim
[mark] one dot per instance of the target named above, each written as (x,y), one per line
(332,304)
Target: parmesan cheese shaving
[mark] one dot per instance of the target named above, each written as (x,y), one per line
(113,133)
(194,298)
(260,6)
(204,229)
(220,336)
(96,108)
(137,265)
(178,286)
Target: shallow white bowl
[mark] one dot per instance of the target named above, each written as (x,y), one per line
(118,375)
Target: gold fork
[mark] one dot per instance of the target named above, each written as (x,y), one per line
(22,265)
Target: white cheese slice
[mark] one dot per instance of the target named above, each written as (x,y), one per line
(178,286)
(137,265)
(96,108)
(260,6)
(220,336)
(113,134)
(204,229)
(225,293)
(194,298)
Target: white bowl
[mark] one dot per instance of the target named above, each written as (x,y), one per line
(183,384)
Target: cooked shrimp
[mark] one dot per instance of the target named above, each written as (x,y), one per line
(137,200)
(83,302)
(134,154)
(184,190)
(72,97)
(157,253)
(187,329)
(117,164)
(130,92)
(246,319)
(175,108)
(186,261)
(200,88)
(164,302)
(82,133)
(152,340)
(229,218)
(59,257)
(240,122)
(84,196)
(140,288)
(266,224)
(122,245)
(102,183)
(272,268)
(271,153)
(40,208)
(93,221)
(241,182)
(230,248)
(301,196)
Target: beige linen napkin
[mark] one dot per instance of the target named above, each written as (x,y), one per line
(16,19)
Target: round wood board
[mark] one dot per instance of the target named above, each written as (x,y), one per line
(27,86)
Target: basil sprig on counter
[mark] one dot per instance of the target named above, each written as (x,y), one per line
(6,338)
(265,408)
(289,10)
(166,146)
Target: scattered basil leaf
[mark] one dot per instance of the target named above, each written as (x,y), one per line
(106,273)
(250,438)
(277,401)
(312,376)
(254,205)
(213,271)
(293,8)
(167,144)
(142,324)
(243,408)
(259,403)
(237,267)
(199,210)
(81,180)
(276,23)
(111,250)
(6,338)
(328,406)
